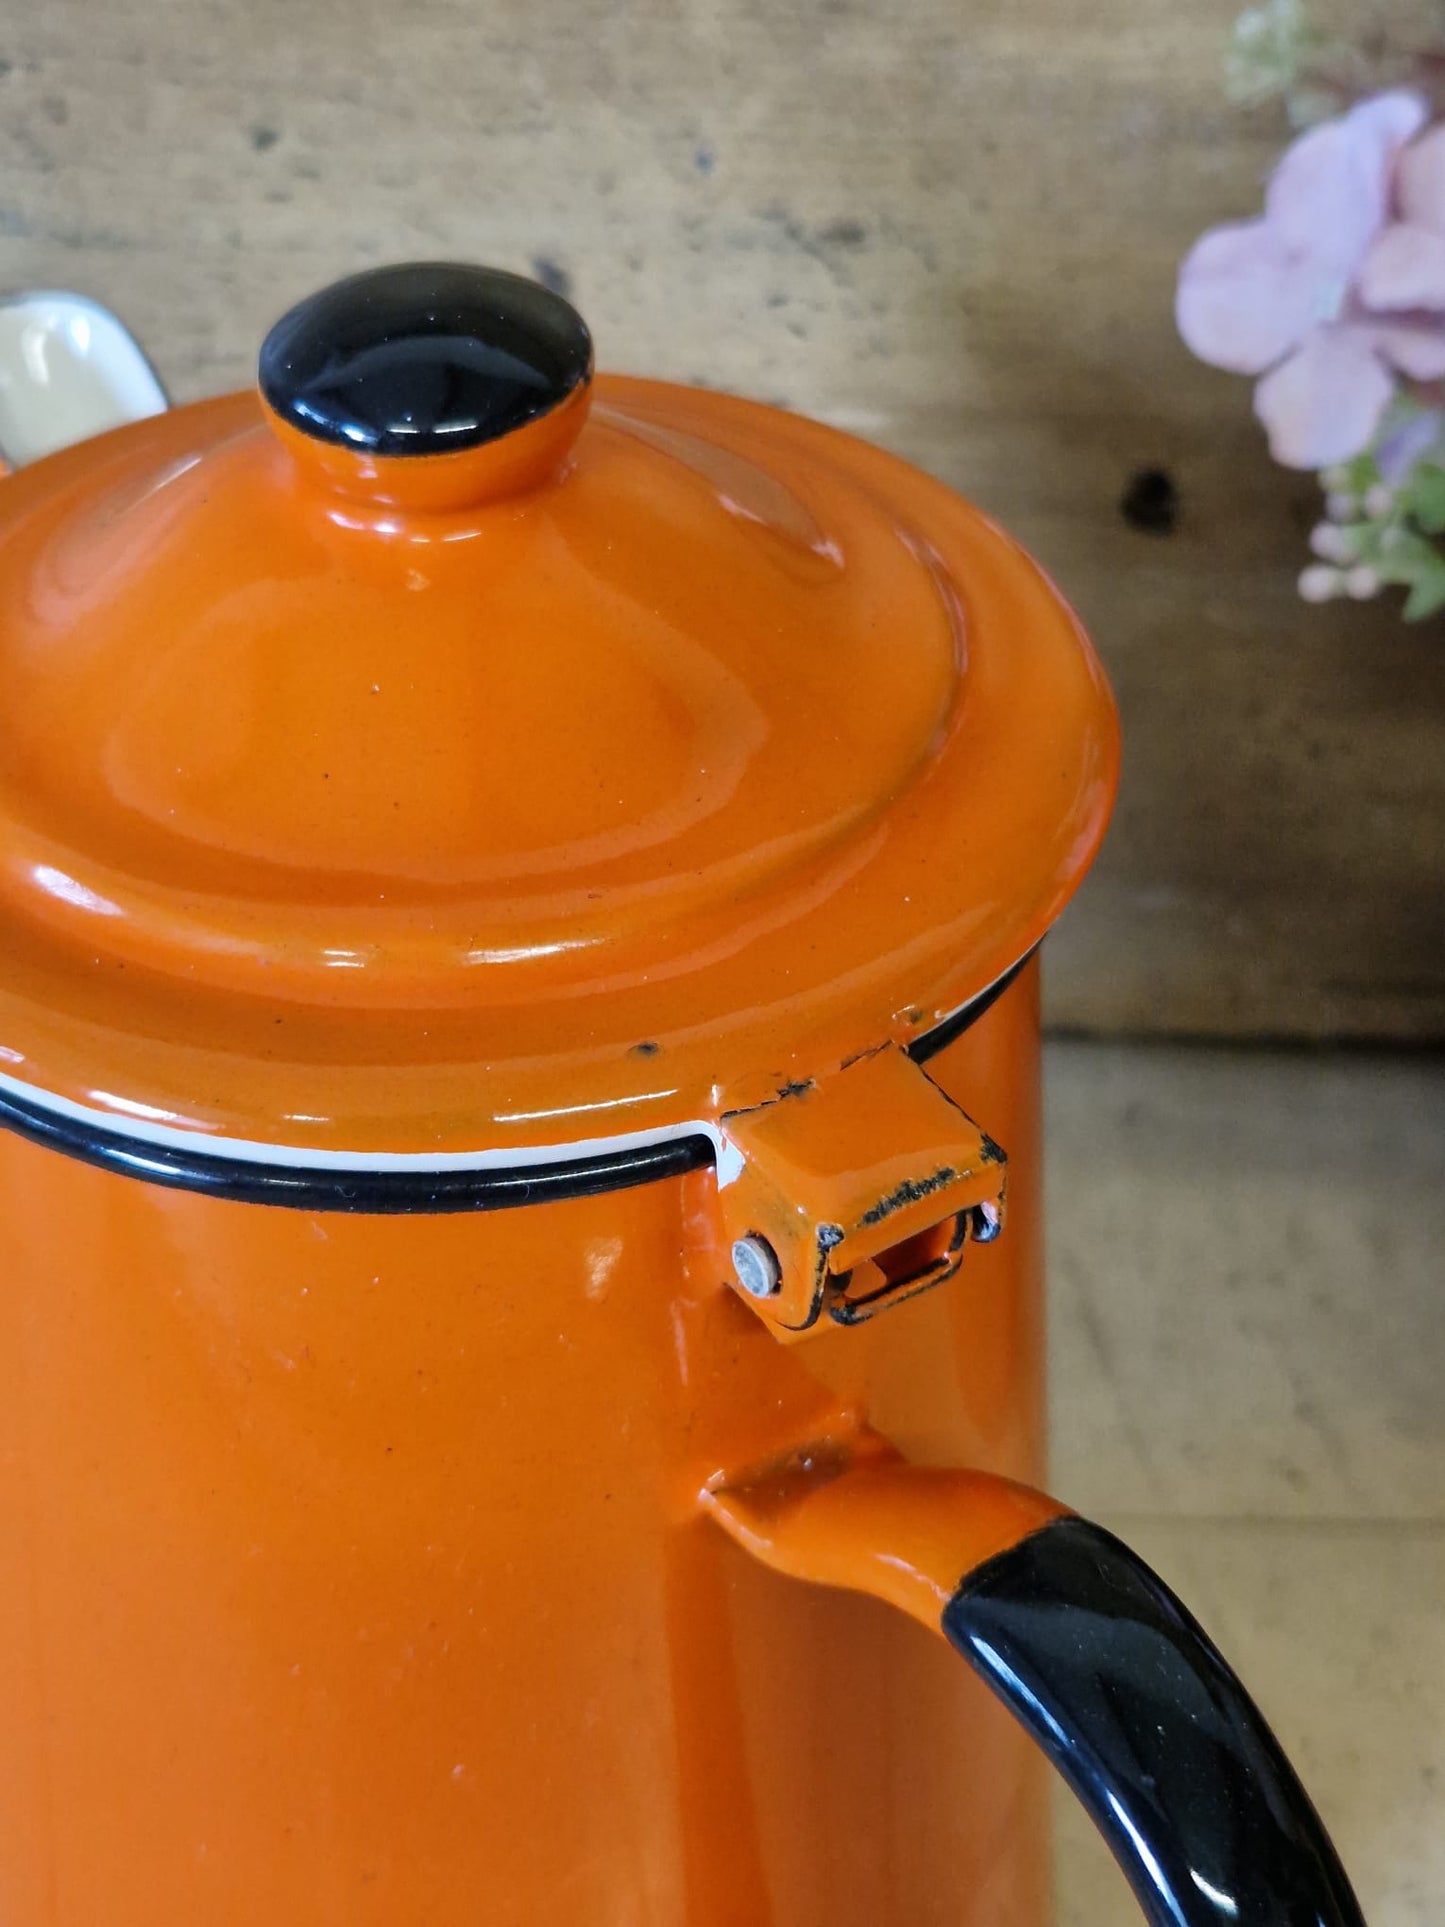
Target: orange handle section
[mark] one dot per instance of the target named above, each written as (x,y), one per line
(1093,1655)
(860,1517)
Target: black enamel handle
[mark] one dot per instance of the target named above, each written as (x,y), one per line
(1130,1699)
(1089,1650)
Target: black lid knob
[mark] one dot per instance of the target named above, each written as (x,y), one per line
(424,358)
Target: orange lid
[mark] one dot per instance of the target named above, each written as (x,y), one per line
(420,760)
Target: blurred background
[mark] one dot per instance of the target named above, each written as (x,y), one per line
(953,226)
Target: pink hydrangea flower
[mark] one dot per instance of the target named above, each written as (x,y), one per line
(1338,288)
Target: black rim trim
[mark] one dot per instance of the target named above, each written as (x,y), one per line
(308,1188)
(942,1035)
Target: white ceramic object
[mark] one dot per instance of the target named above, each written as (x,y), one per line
(68,370)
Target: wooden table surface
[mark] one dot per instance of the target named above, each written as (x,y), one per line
(951,225)
(1247,1332)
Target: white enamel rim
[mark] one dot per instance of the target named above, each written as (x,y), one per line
(293,1157)
(245,1152)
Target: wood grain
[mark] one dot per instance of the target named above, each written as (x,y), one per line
(951,225)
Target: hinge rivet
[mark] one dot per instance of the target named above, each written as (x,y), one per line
(756,1267)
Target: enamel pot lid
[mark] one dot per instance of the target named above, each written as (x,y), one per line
(442,754)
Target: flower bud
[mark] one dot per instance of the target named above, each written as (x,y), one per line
(1379,500)
(1330,541)
(1341,506)
(1362,582)
(1321,584)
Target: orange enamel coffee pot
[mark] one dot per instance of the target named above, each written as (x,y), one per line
(520,1326)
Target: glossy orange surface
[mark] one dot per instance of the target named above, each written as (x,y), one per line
(595,782)
(838,1173)
(859,1516)
(357,1572)
(660,769)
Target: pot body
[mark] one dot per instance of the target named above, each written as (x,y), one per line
(352,1569)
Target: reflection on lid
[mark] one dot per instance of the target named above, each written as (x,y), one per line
(742,488)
